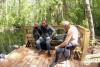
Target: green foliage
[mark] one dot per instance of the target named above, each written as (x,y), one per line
(30,11)
(96,12)
(22,12)
(8,39)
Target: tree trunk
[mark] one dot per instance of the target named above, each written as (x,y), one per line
(10,5)
(65,10)
(2,8)
(90,20)
(19,8)
(6,11)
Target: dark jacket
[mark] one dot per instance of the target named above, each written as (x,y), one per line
(36,33)
(46,31)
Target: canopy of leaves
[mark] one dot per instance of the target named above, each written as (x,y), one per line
(23,12)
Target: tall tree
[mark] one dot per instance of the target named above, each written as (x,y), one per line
(19,7)
(2,8)
(65,10)
(90,19)
(7,11)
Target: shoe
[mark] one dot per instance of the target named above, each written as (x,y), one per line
(39,52)
(66,58)
(49,54)
(52,64)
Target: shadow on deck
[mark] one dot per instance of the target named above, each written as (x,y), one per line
(25,57)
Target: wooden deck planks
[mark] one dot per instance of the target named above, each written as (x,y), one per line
(25,57)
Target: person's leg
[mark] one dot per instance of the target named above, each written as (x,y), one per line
(67,50)
(38,43)
(66,53)
(59,51)
(48,44)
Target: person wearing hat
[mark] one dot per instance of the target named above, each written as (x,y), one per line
(70,41)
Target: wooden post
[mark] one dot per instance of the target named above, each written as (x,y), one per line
(86,38)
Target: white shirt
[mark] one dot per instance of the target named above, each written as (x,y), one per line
(74,38)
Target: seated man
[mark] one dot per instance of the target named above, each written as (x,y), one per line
(45,36)
(36,32)
(70,41)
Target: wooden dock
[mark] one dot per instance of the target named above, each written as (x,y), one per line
(25,57)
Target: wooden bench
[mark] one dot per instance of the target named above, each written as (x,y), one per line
(79,52)
(28,36)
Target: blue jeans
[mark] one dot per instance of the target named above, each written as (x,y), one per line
(40,40)
(65,51)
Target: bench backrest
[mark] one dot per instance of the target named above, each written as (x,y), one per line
(28,31)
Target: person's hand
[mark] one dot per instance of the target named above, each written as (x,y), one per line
(56,47)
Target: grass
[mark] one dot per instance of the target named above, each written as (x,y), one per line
(9,38)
